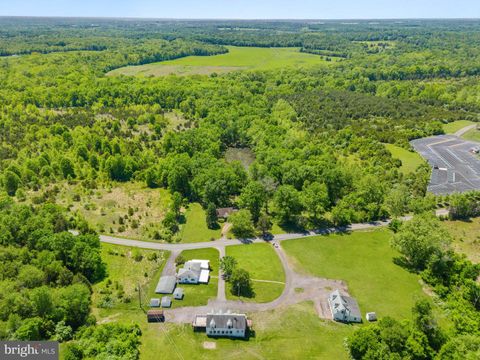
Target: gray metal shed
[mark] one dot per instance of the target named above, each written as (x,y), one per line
(178,294)
(166,285)
(166,301)
(154,302)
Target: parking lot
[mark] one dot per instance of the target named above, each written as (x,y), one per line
(454,167)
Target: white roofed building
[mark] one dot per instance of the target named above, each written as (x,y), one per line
(194,272)
(344,308)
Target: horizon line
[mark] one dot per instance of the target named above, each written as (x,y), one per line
(232,19)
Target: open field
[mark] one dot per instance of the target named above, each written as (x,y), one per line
(364,260)
(124,275)
(466,235)
(472,135)
(262,263)
(195,229)
(124,209)
(410,159)
(196,295)
(453,127)
(238,58)
(279,334)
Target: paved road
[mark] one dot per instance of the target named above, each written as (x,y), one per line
(221,243)
(454,167)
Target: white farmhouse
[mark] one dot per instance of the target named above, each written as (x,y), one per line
(226,325)
(344,308)
(194,272)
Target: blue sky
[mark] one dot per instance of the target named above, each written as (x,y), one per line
(246,9)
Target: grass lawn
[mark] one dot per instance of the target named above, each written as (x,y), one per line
(125,273)
(466,235)
(279,334)
(196,295)
(364,260)
(472,135)
(238,58)
(410,159)
(195,229)
(261,261)
(453,127)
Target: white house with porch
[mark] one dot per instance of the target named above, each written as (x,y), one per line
(194,272)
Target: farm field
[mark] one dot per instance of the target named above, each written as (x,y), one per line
(279,334)
(466,237)
(238,58)
(364,260)
(410,159)
(196,295)
(262,263)
(454,126)
(195,228)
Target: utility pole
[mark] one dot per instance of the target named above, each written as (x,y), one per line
(139,296)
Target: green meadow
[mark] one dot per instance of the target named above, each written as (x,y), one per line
(453,127)
(410,159)
(237,58)
(364,260)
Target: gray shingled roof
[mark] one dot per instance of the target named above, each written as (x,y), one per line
(237,321)
(166,285)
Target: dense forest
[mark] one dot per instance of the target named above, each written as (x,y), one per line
(317,135)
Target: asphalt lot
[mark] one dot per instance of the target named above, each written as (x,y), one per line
(458,168)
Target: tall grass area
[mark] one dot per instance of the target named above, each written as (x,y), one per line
(364,260)
(128,269)
(261,261)
(237,58)
(410,159)
(466,237)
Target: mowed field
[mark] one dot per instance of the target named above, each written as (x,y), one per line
(364,260)
(410,159)
(453,127)
(237,58)
(265,270)
(472,135)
